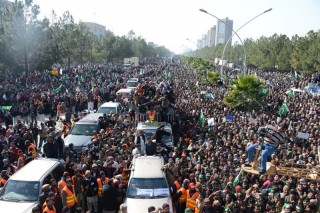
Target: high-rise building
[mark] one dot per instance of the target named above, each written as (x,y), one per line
(97,30)
(212,36)
(199,44)
(204,40)
(224,31)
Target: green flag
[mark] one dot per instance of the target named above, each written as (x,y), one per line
(82,79)
(237,179)
(6,107)
(297,76)
(290,93)
(201,119)
(284,108)
(264,91)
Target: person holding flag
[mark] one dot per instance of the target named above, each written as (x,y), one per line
(271,137)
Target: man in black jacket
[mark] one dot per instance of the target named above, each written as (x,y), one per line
(109,197)
(51,148)
(151,147)
(160,133)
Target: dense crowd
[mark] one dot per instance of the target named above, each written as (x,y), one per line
(201,167)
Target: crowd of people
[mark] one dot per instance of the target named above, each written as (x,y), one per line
(202,168)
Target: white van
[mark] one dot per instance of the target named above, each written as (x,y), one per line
(125,94)
(110,108)
(22,191)
(132,83)
(150,128)
(147,185)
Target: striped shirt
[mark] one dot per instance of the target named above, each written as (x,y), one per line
(272,137)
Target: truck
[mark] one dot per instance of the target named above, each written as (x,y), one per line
(134,61)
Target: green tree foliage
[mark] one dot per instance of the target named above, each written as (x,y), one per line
(245,93)
(27,43)
(274,52)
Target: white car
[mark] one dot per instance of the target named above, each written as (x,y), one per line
(110,108)
(147,185)
(22,191)
(132,83)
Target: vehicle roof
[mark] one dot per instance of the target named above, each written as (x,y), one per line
(110,104)
(153,125)
(133,79)
(147,167)
(90,118)
(35,170)
(127,90)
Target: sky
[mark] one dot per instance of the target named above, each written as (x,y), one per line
(177,24)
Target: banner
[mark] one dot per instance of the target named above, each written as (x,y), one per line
(211,122)
(54,72)
(229,118)
(6,107)
(303,135)
(313,88)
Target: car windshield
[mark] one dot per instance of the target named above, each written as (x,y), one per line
(107,110)
(84,129)
(125,94)
(146,188)
(132,84)
(16,191)
(152,132)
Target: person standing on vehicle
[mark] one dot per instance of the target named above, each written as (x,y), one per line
(50,148)
(151,147)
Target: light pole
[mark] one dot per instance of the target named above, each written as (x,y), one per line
(194,43)
(245,55)
(234,33)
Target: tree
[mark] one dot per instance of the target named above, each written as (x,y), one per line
(245,93)
(25,34)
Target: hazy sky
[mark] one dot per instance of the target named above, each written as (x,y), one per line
(170,22)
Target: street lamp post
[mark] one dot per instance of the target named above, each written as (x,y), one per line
(245,55)
(234,33)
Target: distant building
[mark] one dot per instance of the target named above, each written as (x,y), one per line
(212,36)
(223,32)
(97,30)
(152,44)
(204,40)
(199,43)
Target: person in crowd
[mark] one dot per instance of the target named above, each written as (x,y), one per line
(109,196)
(207,154)
(68,196)
(51,148)
(272,138)
(90,187)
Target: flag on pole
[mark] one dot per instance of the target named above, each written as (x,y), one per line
(297,76)
(82,79)
(237,179)
(201,119)
(284,108)
(290,93)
